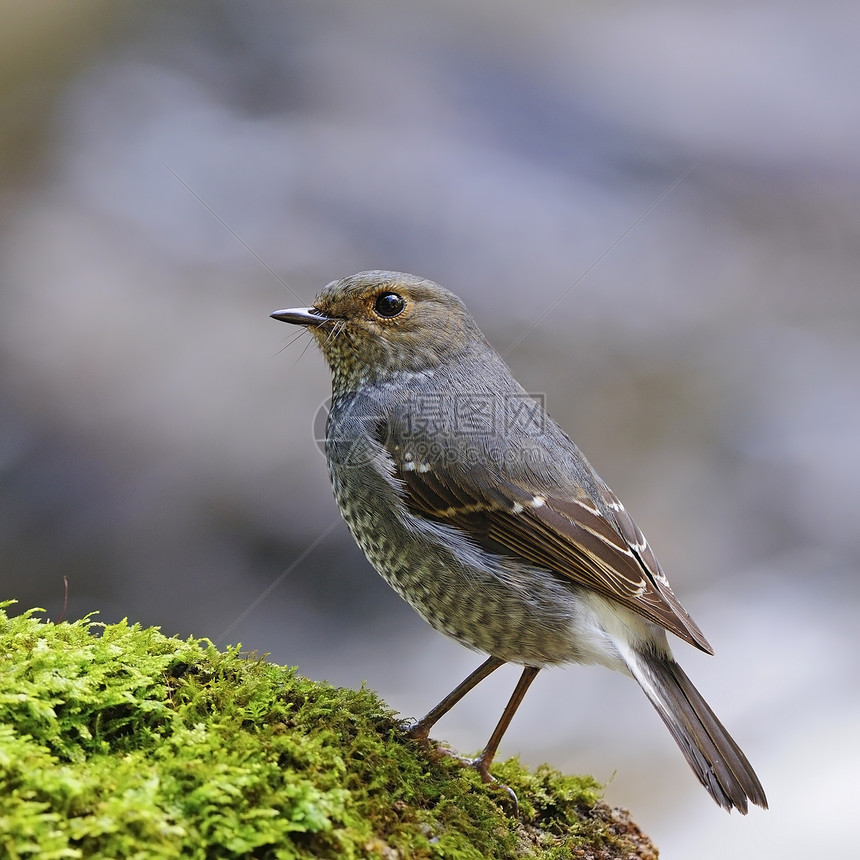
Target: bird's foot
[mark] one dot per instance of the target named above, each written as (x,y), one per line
(417,731)
(421,734)
(483,767)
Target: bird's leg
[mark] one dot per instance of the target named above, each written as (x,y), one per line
(485,759)
(421,730)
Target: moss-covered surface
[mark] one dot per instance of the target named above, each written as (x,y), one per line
(120,742)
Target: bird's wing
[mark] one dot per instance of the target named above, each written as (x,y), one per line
(564,532)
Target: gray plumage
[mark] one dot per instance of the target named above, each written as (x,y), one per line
(485,517)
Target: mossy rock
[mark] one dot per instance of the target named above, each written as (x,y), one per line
(119,742)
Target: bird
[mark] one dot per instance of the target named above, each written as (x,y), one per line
(480,511)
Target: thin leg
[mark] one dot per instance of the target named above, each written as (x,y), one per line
(421,730)
(485,759)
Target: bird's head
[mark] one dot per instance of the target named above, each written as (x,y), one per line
(373,325)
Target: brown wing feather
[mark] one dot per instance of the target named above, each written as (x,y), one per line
(569,536)
(642,549)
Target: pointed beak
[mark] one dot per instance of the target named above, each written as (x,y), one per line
(300,316)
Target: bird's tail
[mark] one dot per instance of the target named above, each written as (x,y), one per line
(710,750)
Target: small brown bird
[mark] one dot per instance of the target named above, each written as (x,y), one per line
(477,508)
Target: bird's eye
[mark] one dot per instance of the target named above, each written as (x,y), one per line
(388,305)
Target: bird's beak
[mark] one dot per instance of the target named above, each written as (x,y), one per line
(300,316)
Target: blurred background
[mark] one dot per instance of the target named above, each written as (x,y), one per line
(653,211)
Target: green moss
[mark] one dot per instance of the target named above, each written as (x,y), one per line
(120,742)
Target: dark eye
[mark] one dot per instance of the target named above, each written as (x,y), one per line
(389,305)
